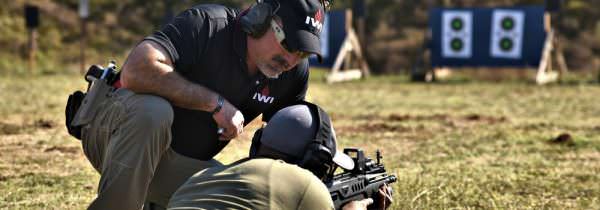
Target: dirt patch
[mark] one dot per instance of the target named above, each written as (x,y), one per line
(389,126)
(10,129)
(563,139)
(383,127)
(486,119)
(537,126)
(71,150)
(406,117)
(448,118)
(396,117)
(45,124)
(372,127)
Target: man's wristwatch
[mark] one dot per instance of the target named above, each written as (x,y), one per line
(220,102)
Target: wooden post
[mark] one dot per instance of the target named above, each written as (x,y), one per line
(560,59)
(360,27)
(359,9)
(32,45)
(83,40)
(32,21)
(558,54)
(83,15)
(348,59)
(551,51)
(544,73)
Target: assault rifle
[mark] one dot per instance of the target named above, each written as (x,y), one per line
(361,182)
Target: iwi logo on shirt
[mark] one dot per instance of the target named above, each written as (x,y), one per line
(263,96)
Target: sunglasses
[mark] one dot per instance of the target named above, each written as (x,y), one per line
(280,36)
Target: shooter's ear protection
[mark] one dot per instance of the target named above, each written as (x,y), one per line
(258,18)
(318,156)
(318,160)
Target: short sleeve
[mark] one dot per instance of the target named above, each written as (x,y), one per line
(184,37)
(316,196)
(301,86)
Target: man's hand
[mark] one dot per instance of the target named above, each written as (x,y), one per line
(357,205)
(385,196)
(384,200)
(231,120)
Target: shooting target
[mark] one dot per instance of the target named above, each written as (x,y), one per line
(457,34)
(507,33)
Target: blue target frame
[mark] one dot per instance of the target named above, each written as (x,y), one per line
(533,37)
(332,37)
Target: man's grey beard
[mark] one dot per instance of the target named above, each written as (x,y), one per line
(267,71)
(272,77)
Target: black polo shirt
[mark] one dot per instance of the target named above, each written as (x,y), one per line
(208,47)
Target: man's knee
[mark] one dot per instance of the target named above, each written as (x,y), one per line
(145,129)
(151,112)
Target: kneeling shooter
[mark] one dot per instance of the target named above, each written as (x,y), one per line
(289,160)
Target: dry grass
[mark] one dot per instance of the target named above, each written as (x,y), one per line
(453,145)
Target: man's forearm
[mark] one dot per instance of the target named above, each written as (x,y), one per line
(148,69)
(179,91)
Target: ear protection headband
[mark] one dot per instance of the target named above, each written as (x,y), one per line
(317,158)
(259,18)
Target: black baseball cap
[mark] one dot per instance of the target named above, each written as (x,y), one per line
(293,128)
(302,24)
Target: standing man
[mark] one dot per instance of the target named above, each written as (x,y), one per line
(188,89)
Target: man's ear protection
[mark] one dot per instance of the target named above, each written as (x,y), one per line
(259,17)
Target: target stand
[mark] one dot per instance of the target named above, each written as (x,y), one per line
(350,63)
(545,73)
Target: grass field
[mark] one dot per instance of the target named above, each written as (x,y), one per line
(453,145)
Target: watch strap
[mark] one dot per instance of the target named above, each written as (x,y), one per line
(220,102)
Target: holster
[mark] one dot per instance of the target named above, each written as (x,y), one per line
(73,104)
(82,107)
(97,93)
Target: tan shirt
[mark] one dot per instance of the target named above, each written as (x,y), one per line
(253,184)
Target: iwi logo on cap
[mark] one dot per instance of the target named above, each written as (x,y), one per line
(263,96)
(317,21)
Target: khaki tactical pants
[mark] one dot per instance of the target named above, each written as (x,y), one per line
(128,144)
